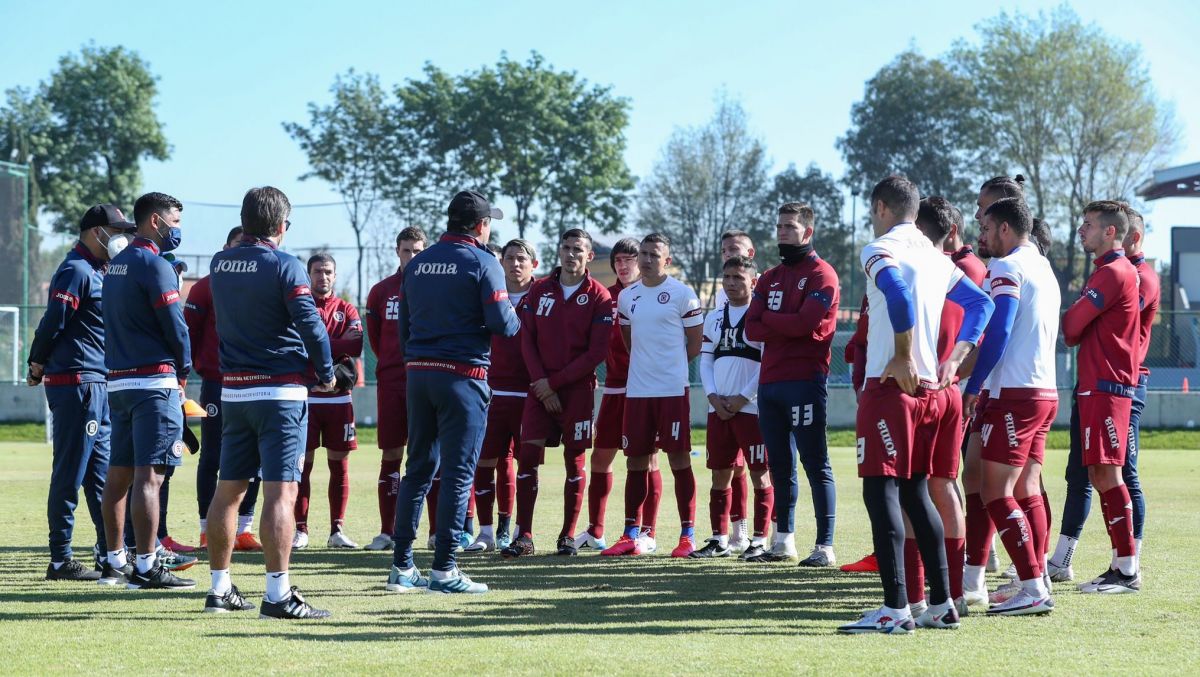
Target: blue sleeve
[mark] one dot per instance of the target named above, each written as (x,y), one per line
(994,341)
(67,287)
(298,298)
(498,313)
(403,315)
(977,309)
(163,289)
(901,310)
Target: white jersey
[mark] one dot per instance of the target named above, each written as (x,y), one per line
(729,363)
(929,274)
(656,317)
(1028,358)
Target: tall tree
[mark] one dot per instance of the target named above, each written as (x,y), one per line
(24,140)
(833,239)
(707,180)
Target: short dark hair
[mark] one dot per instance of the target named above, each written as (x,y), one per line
(1005,186)
(627,246)
(235,233)
(935,218)
(1012,210)
(1111,214)
(657,238)
(521,244)
(804,213)
(411,233)
(1040,234)
(576,232)
(731,234)
(742,262)
(153,203)
(898,194)
(1134,217)
(320,257)
(264,210)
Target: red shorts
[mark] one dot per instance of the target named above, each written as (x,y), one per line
(657,422)
(1103,427)
(606,433)
(503,427)
(572,426)
(977,419)
(948,434)
(331,426)
(391,403)
(888,423)
(735,442)
(1014,428)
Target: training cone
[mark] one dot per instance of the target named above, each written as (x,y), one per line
(192,409)
(1185,385)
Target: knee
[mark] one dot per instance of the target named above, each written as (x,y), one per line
(761,479)
(639,463)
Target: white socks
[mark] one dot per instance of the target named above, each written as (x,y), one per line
(146,562)
(722,540)
(204,525)
(221,583)
(245,524)
(740,530)
(444,575)
(116,558)
(1064,551)
(1127,565)
(897,613)
(973,577)
(278,586)
(786,537)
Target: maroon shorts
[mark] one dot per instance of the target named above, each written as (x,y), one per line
(503,427)
(887,425)
(331,426)
(1014,427)
(572,426)
(1103,427)
(948,434)
(391,403)
(657,422)
(977,419)
(606,433)
(735,442)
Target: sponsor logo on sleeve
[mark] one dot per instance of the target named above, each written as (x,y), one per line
(167,298)
(66,298)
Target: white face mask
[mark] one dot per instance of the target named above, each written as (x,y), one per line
(116,244)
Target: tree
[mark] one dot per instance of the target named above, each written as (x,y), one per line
(833,239)
(347,143)
(24,124)
(708,179)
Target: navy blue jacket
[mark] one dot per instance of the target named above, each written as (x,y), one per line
(144,329)
(69,341)
(452,301)
(269,326)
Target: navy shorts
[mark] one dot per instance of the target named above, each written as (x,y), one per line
(147,427)
(266,433)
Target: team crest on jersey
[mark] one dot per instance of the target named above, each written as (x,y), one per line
(664,297)
(624,442)
(581,300)
(339,316)
(802,283)
(211,410)
(92,427)
(177,449)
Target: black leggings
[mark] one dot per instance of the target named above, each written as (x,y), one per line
(884,497)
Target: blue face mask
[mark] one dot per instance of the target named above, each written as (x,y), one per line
(172,238)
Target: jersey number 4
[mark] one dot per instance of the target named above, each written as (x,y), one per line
(774,300)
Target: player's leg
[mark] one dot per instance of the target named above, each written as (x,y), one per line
(808,429)
(419,469)
(245,540)
(392,431)
(97,467)
(638,439)
(238,462)
(313,441)
(208,465)
(157,436)
(607,431)
(73,436)
(674,433)
(764,506)
(114,500)
(339,497)
(484,489)
(722,456)
(775,422)
(1076,506)
(943,489)
(1104,422)
(649,516)
(532,455)
(980,531)
(1129,473)
(576,432)
(739,536)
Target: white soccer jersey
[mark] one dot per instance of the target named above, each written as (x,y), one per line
(734,368)
(656,317)
(1028,358)
(929,274)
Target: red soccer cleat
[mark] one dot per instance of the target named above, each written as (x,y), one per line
(203,540)
(865,565)
(246,543)
(685,547)
(175,546)
(625,546)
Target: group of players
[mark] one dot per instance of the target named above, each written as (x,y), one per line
(764,361)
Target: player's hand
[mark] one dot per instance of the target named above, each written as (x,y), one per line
(329,387)
(718,405)
(948,370)
(969,402)
(36,372)
(541,389)
(735,403)
(552,404)
(904,370)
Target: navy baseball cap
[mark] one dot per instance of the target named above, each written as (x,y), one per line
(105,215)
(468,207)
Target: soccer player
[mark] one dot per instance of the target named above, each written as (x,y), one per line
(610,420)
(148,355)
(453,298)
(67,357)
(729,369)
(1018,353)
(662,322)
(908,282)
(383,310)
(566,324)
(1104,322)
(496,474)
(331,414)
(794,314)
(206,361)
(271,336)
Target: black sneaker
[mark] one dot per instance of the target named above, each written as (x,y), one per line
(223,604)
(111,576)
(1116,583)
(566,547)
(174,561)
(159,578)
(753,552)
(71,570)
(712,548)
(291,608)
(519,548)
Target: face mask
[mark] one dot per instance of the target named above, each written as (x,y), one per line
(115,244)
(794,253)
(172,238)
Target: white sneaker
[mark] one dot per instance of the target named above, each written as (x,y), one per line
(340,540)
(380,542)
(960,606)
(918,608)
(647,544)
(993,562)
(481,544)
(944,617)
(300,541)
(1005,592)
(975,597)
(877,621)
(1023,603)
(585,541)
(821,556)
(784,550)
(739,545)
(1010,573)
(1060,574)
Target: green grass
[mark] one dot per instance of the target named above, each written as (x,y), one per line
(652,615)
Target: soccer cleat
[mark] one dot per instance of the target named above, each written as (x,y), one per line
(232,600)
(586,541)
(879,622)
(975,597)
(712,548)
(685,548)
(246,542)
(71,570)
(625,546)
(300,540)
(1005,592)
(1010,573)
(340,540)
(111,576)
(458,584)
(519,548)
(503,538)
(753,551)
(918,608)
(1023,603)
(172,544)
(380,542)
(174,561)
(739,545)
(399,582)
(1113,582)
(158,578)
(566,547)
(647,543)
(960,607)
(465,540)
(867,564)
(944,619)
(821,556)
(780,552)
(993,562)
(481,544)
(292,607)
(1059,574)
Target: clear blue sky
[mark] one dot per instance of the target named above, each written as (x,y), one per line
(230,73)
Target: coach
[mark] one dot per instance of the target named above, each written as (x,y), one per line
(452,299)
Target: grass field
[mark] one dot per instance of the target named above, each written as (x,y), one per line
(653,615)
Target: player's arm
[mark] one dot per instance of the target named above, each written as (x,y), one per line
(756,329)
(530,353)
(195,313)
(856,348)
(350,341)
(977,309)
(374,318)
(749,393)
(67,286)
(1096,297)
(692,316)
(902,315)
(303,311)
(708,376)
(624,313)
(819,303)
(498,313)
(162,288)
(599,336)
(995,340)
